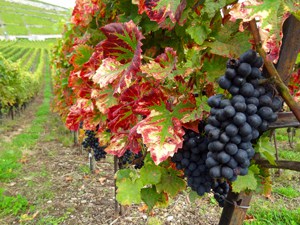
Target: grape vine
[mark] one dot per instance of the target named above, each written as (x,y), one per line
(148,72)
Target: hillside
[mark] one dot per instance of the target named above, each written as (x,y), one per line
(31,18)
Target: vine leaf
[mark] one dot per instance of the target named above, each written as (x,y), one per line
(198,33)
(266,150)
(104,99)
(271,14)
(129,187)
(214,67)
(162,66)
(213,7)
(81,55)
(80,110)
(247,182)
(118,145)
(122,52)
(150,174)
(151,197)
(229,42)
(160,10)
(162,130)
(134,101)
(170,182)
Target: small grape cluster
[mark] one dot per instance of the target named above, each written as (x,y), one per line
(130,158)
(235,123)
(220,188)
(92,142)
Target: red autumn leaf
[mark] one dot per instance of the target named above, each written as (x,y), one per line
(121,142)
(104,99)
(122,53)
(81,87)
(84,11)
(134,101)
(159,10)
(78,111)
(162,66)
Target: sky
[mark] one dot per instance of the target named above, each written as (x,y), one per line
(63,3)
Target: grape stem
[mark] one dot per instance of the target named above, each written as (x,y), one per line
(274,76)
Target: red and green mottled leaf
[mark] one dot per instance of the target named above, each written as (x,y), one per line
(202,109)
(81,55)
(77,112)
(162,130)
(84,11)
(104,99)
(162,66)
(122,53)
(158,10)
(171,183)
(134,101)
(118,145)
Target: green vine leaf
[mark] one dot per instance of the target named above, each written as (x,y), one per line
(129,187)
(150,174)
(170,182)
(247,182)
(266,150)
(151,197)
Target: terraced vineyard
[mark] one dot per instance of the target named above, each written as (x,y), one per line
(20,19)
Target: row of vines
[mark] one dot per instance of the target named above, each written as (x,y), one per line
(20,77)
(140,76)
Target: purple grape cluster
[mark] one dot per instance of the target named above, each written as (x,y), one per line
(92,142)
(235,123)
(130,158)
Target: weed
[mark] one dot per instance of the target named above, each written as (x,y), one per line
(12,204)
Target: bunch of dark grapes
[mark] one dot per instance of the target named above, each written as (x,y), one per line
(130,158)
(235,123)
(92,142)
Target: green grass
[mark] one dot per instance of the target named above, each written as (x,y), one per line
(288,192)
(281,216)
(12,204)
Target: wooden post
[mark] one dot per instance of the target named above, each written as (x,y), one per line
(236,206)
